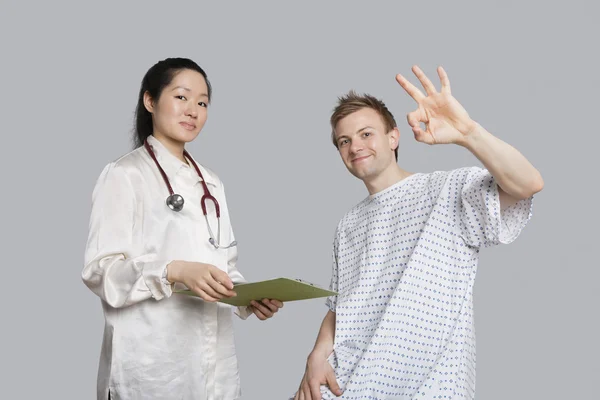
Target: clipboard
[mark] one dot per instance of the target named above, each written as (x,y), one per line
(282,289)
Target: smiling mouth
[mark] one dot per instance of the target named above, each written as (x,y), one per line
(359,159)
(188,126)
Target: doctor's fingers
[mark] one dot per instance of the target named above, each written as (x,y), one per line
(215,289)
(266,311)
(203,290)
(220,288)
(203,295)
(221,277)
(277,303)
(259,314)
(274,305)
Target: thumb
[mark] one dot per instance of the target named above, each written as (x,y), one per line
(422,136)
(413,119)
(332,383)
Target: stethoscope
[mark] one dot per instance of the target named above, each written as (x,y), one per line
(175,201)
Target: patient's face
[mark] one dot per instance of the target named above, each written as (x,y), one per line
(366,148)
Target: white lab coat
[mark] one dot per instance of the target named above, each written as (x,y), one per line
(159,345)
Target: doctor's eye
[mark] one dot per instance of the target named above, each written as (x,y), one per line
(203,104)
(367,134)
(343,142)
(180,97)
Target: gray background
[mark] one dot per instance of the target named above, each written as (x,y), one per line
(527,71)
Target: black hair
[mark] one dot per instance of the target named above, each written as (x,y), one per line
(156,79)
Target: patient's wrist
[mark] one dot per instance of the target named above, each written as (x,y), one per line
(319,354)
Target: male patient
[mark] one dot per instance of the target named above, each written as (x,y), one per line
(405,258)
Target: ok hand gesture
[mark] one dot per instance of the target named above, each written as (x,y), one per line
(446,121)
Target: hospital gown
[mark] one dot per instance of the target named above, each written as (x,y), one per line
(404,267)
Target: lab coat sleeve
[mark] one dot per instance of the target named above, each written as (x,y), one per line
(236,277)
(232,255)
(115,270)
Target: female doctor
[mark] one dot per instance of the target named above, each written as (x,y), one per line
(153,230)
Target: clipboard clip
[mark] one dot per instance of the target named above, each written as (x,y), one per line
(305,282)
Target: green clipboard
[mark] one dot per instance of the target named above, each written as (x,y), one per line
(282,289)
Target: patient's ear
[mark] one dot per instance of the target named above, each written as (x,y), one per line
(394,137)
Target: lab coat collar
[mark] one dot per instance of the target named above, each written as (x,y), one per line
(172,165)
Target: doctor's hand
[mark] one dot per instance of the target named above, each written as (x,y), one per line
(318,372)
(445,119)
(206,280)
(265,308)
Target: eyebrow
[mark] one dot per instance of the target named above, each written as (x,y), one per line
(188,90)
(358,131)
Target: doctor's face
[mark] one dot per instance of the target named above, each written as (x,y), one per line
(365,146)
(181,109)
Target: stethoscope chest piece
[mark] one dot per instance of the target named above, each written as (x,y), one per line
(175,202)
